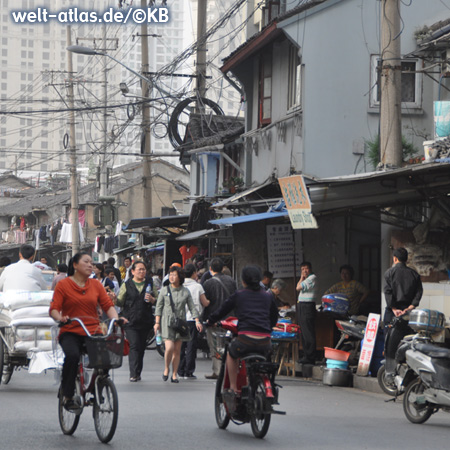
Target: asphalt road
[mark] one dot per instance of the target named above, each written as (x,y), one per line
(161,415)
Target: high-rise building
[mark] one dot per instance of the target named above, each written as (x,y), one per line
(33,87)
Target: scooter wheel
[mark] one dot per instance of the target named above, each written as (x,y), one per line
(416,409)
(388,388)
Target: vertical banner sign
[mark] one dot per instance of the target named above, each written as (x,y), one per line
(370,337)
(297,202)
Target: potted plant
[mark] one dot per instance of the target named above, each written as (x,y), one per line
(233,183)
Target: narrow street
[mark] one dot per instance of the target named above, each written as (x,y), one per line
(159,415)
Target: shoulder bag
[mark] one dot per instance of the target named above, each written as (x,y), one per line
(178,325)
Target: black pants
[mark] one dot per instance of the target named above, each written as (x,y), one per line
(72,345)
(392,338)
(189,352)
(307,321)
(137,338)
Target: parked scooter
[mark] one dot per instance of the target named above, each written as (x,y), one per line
(427,381)
(393,385)
(352,333)
(427,378)
(351,328)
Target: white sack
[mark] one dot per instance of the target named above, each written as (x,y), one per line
(30,311)
(24,346)
(34,322)
(21,299)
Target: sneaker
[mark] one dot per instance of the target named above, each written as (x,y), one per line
(71,405)
(213,376)
(190,377)
(133,379)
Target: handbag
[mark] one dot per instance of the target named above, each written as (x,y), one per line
(178,325)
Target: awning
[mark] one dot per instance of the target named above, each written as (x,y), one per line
(249,218)
(240,195)
(158,248)
(157,222)
(376,190)
(197,234)
(128,248)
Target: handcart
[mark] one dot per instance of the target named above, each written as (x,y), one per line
(25,332)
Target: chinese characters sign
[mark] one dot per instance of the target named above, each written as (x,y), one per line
(370,337)
(280,249)
(297,202)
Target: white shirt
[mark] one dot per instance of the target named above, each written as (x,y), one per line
(22,276)
(196,290)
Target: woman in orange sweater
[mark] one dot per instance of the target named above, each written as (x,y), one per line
(78,296)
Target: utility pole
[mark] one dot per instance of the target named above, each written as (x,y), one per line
(201,52)
(146,161)
(103,157)
(391,85)
(72,150)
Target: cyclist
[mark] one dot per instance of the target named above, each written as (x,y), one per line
(257,314)
(78,296)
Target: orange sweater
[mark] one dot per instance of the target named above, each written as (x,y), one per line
(74,301)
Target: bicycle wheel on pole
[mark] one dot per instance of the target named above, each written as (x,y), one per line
(260,420)
(106,409)
(68,420)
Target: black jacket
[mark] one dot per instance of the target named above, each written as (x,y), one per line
(138,312)
(256,311)
(403,287)
(217,292)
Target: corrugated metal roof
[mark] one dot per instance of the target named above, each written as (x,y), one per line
(249,218)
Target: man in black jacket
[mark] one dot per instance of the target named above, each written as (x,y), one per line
(403,291)
(217,289)
(111,262)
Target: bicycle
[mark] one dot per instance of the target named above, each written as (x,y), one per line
(98,390)
(256,382)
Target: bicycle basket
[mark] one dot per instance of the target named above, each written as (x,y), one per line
(219,340)
(105,352)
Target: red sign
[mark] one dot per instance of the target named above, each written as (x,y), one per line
(370,337)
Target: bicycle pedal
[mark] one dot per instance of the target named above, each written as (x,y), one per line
(281,413)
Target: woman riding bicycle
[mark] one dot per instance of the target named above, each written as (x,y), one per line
(78,296)
(257,314)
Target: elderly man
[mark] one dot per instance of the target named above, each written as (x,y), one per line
(22,275)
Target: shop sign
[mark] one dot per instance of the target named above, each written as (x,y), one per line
(370,337)
(280,251)
(297,202)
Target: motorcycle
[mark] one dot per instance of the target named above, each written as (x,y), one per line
(427,381)
(393,385)
(256,384)
(418,326)
(351,334)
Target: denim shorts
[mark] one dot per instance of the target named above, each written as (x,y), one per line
(243,345)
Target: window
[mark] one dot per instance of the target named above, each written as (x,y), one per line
(411,83)
(294,78)
(265,89)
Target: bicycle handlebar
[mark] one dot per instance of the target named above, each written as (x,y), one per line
(108,333)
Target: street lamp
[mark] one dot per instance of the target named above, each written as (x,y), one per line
(147,188)
(81,50)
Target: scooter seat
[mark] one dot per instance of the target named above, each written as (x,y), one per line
(433,350)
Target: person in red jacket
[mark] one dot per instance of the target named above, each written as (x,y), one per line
(78,296)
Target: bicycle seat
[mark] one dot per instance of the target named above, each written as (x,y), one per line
(254,357)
